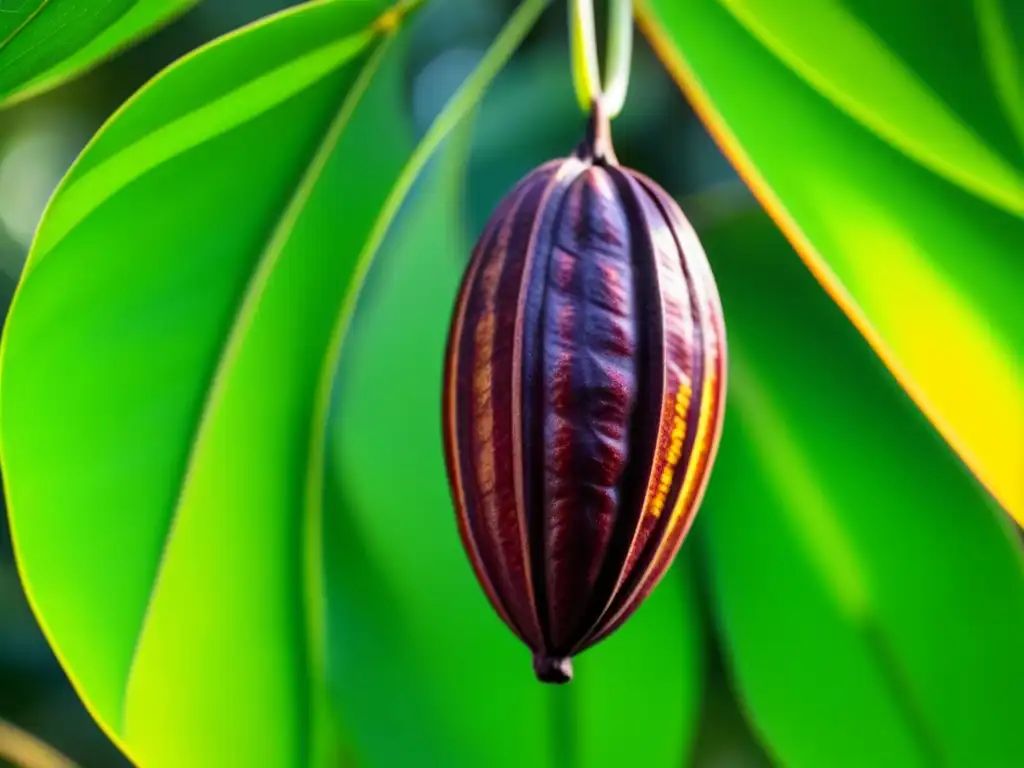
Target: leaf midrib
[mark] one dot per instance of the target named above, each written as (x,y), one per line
(27,20)
(81,44)
(195,127)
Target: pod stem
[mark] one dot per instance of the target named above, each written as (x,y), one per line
(586,68)
(597,145)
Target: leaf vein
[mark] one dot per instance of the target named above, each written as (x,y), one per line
(27,20)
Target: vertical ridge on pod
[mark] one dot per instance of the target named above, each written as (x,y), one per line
(676,340)
(703,422)
(453,429)
(481,359)
(509,524)
(644,416)
(713,404)
(589,346)
(530,375)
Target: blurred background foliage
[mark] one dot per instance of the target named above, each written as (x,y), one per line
(530,115)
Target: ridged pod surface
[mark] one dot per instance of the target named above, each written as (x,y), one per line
(584,396)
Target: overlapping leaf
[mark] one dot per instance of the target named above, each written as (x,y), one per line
(162,430)
(871,602)
(45,42)
(432,661)
(885,139)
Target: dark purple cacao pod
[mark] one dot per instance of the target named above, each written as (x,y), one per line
(584,396)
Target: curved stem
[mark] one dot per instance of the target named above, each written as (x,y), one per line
(620,55)
(586,71)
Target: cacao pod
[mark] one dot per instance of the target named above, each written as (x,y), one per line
(584,396)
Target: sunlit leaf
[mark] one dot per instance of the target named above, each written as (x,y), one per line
(162,427)
(133,353)
(893,164)
(871,602)
(432,661)
(46,42)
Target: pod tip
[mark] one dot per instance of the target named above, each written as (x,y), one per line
(550,669)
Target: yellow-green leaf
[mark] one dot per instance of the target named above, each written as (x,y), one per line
(165,379)
(913,219)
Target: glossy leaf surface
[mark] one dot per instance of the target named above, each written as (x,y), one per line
(432,661)
(871,603)
(891,154)
(167,369)
(130,419)
(46,42)
(171,277)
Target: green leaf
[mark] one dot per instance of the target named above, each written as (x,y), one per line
(44,43)
(128,405)
(871,602)
(844,55)
(173,432)
(895,166)
(162,372)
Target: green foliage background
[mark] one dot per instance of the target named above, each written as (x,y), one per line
(236,530)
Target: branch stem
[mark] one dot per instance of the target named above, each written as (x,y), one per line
(26,751)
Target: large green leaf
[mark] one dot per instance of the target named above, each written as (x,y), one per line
(46,42)
(434,663)
(886,141)
(162,378)
(871,602)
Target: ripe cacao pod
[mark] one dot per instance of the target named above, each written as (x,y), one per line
(583,398)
